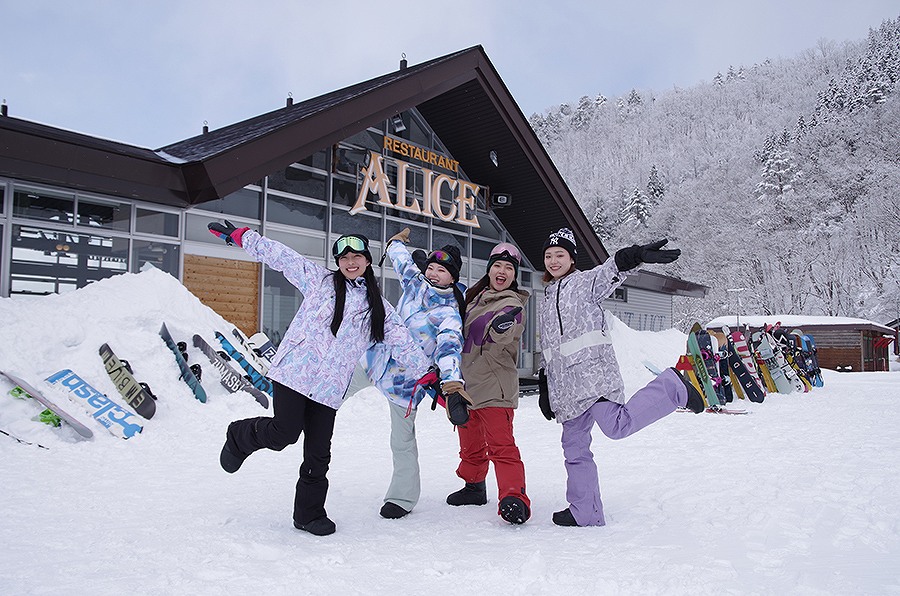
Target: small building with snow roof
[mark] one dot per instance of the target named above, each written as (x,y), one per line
(842,343)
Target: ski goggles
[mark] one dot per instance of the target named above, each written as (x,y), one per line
(349,243)
(506,250)
(441,256)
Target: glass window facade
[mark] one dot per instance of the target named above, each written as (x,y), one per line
(158,223)
(244,203)
(97,213)
(281,300)
(44,205)
(299,181)
(49,261)
(60,239)
(162,255)
(297,213)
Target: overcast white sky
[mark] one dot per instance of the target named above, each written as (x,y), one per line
(149,73)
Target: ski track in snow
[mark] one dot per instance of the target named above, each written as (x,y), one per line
(798,497)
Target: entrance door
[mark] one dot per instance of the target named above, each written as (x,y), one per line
(229,287)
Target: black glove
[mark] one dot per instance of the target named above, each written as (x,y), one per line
(544,396)
(420,258)
(457,408)
(632,256)
(502,323)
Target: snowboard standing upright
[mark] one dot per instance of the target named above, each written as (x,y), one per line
(766,352)
(251,355)
(696,357)
(747,381)
(812,359)
(257,378)
(230,378)
(187,374)
(708,354)
(134,393)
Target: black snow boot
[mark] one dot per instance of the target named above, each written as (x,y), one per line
(473,493)
(564,518)
(514,510)
(393,511)
(232,457)
(695,401)
(321,526)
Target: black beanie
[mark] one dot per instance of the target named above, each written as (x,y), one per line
(563,238)
(452,265)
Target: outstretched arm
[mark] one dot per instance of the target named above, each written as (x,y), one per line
(300,271)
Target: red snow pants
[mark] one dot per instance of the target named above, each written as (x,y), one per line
(488,437)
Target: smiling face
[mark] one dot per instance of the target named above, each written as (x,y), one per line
(352,264)
(501,275)
(438,275)
(557,261)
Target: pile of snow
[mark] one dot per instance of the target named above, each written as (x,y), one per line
(796,497)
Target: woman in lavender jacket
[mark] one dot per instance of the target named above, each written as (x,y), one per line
(580,380)
(342,315)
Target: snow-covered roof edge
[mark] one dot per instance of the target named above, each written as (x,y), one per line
(790,321)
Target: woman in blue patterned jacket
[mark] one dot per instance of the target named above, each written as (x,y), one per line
(342,315)
(430,306)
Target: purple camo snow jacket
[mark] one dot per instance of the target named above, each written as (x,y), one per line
(576,350)
(310,359)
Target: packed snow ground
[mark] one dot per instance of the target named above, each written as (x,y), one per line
(797,497)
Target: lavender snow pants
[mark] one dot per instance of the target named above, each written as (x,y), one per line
(659,398)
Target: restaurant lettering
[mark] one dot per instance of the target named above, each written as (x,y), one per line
(461,208)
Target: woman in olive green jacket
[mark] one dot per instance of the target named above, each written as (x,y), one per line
(492,332)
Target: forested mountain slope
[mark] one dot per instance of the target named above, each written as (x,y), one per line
(782,178)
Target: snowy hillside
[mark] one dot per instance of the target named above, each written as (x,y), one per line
(797,497)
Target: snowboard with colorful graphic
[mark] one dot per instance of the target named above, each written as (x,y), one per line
(784,365)
(231,379)
(740,346)
(250,355)
(257,379)
(262,346)
(708,353)
(119,421)
(747,381)
(812,357)
(694,350)
(766,352)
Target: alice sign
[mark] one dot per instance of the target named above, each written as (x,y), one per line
(463,194)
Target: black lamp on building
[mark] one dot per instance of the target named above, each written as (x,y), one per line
(397,124)
(500,200)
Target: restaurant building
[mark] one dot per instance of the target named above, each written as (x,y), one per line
(440,147)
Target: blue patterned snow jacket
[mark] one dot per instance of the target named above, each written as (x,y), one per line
(310,359)
(432,316)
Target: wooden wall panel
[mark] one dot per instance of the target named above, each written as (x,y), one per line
(231,288)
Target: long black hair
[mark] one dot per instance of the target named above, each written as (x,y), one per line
(373,293)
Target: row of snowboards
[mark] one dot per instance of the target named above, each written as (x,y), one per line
(724,365)
(241,365)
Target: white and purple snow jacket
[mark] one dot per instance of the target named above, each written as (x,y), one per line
(576,351)
(312,361)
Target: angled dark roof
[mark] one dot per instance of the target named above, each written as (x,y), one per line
(460,95)
(41,153)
